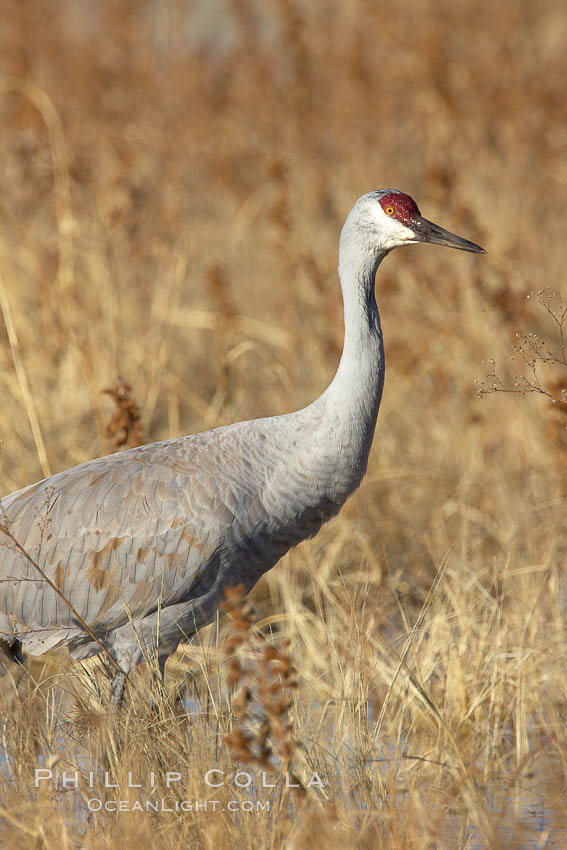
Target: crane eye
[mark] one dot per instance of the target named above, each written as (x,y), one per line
(389,210)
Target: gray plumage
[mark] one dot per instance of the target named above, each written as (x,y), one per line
(142,543)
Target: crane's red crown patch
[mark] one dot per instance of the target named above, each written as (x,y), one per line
(405,208)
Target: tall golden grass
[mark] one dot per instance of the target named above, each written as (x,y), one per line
(169,216)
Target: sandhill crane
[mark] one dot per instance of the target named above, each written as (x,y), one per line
(143,543)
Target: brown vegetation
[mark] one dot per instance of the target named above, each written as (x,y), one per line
(170,204)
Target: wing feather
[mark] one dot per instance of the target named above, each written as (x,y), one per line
(119,535)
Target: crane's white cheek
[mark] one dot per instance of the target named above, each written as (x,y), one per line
(398,234)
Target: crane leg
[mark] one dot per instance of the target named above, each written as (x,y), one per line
(119,683)
(12,650)
(117,694)
(161,664)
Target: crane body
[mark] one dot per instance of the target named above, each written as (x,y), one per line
(142,543)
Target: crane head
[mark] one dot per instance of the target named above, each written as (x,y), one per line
(398,221)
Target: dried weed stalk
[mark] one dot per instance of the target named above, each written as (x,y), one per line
(262,676)
(124,429)
(534,354)
(543,369)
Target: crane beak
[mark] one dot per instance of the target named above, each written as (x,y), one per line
(427,231)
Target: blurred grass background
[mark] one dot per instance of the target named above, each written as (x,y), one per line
(173,180)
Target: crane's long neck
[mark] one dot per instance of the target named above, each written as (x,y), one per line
(352,400)
(360,375)
(322,450)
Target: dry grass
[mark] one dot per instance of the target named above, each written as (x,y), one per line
(169,212)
